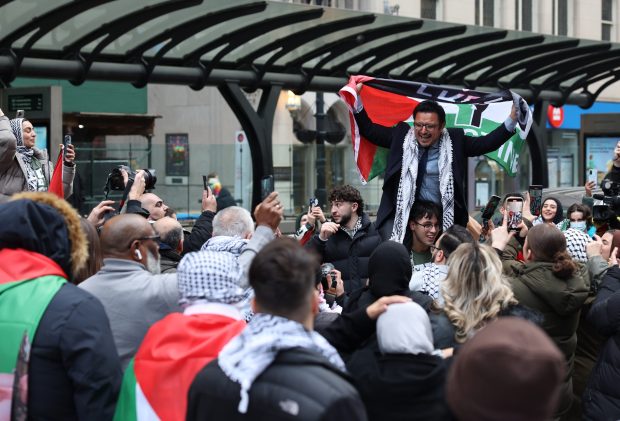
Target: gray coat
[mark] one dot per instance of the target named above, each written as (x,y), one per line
(13,168)
(134,299)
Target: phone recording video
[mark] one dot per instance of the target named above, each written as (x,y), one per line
(267,187)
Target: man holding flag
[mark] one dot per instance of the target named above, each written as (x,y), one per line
(425,160)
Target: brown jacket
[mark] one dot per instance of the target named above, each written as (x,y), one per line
(13,168)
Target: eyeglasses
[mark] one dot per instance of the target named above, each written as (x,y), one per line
(428,226)
(434,248)
(429,127)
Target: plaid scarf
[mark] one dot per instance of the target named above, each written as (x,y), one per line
(407,184)
(248,355)
(26,154)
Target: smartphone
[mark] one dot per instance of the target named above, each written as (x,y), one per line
(536,192)
(65,142)
(515,214)
(490,208)
(205,184)
(266,186)
(313,202)
(593,176)
(20,114)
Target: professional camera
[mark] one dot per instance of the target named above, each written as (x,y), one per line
(610,209)
(115,178)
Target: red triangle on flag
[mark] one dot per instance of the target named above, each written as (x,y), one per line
(56,181)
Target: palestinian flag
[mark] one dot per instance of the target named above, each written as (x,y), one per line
(56,185)
(389,102)
(174,350)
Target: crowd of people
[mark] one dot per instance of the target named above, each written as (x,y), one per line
(422,314)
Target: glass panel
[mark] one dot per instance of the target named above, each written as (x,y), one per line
(489,13)
(606,32)
(607,10)
(428,9)
(562,17)
(526,24)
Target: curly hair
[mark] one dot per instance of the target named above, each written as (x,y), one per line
(475,291)
(347,193)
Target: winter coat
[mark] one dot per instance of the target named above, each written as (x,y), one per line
(300,384)
(13,167)
(349,255)
(559,301)
(601,400)
(400,386)
(169,259)
(463,146)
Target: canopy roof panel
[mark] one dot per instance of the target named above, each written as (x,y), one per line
(297,46)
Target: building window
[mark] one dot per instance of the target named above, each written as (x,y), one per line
(428,9)
(607,20)
(526,15)
(562,9)
(485,12)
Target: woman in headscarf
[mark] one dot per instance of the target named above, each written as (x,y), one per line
(23,167)
(551,213)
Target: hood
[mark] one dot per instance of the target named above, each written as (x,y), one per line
(564,296)
(389,269)
(43,223)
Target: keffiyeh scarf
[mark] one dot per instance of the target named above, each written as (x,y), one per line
(407,184)
(27,154)
(234,245)
(248,355)
(432,275)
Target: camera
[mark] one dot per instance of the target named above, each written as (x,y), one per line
(115,178)
(610,209)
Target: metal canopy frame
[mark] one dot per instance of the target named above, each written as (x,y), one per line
(272,45)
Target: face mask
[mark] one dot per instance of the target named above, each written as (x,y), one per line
(579,225)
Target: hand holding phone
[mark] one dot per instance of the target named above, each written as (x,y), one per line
(536,192)
(205,185)
(267,187)
(515,214)
(593,176)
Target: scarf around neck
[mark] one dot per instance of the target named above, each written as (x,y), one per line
(249,354)
(407,183)
(26,154)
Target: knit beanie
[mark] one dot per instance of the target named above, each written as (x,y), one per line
(510,370)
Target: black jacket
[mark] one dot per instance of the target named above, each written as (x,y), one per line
(169,259)
(400,386)
(299,385)
(349,255)
(462,146)
(601,399)
(225,199)
(74,371)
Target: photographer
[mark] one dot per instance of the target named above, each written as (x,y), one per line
(154,208)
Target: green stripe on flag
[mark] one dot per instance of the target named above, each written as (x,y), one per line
(22,304)
(379,162)
(126,406)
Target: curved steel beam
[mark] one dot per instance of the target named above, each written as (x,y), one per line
(507,58)
(437,50)
(380,52)
(465,57)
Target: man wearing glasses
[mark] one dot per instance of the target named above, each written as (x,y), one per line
(133,293)
(434,159)
(424,228)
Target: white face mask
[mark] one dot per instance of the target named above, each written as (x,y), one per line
(578,225)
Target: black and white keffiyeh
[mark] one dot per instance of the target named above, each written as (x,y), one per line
(432,275)
(234,245)
(407,184)
(212,276)
(26,154)
(247,356)
(576,242)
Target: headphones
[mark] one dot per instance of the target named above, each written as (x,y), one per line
(138,254)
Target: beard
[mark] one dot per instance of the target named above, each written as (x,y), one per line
(153,263)
(345,219)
